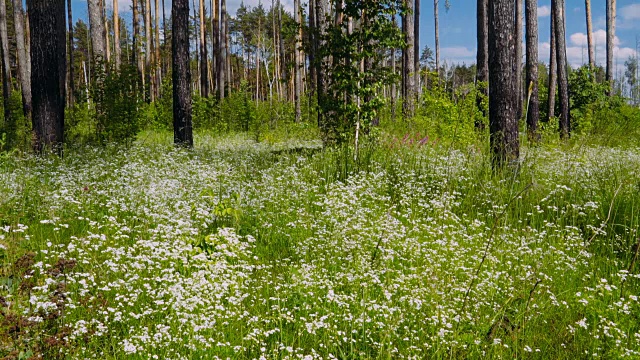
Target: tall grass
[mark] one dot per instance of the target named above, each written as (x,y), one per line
(280,249)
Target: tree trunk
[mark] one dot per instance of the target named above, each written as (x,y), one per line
(284,69)
(204,62)
(314,45)
(553,72)
(181,76)
(482,59)
(533,111)
(107,47)
(223,47)
(409,100)
(24,70)
(6,65)
(298,61)
(4,38)
(146,10)
(592,57)
(518,55)
(611,34)
(394,90)
(98,41)
(135,59)
(116,34)
(158,57)
(48,58)
(416,47)
(215,30)
(320,17)
(436,20)
(561,54)
(502,97)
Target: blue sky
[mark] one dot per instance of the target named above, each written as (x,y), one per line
(458,27)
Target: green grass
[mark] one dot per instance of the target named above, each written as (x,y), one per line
(280,249)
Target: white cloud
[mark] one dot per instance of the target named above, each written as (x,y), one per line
(577,55)
(544,11)
(629,12)
(457,52)
(599,38)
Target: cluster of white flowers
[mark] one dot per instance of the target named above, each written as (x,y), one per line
(418,256)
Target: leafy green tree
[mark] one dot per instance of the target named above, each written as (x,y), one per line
(357,42)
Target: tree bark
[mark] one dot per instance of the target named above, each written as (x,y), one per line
(223,48)
(204,62)
(107,47)
(502,97)
(416,47)
(436,20)
(298,61)
(24,72)
(4,38)
(518,55)
(553,72)
(48,58)
(98,41)
(148,51)
(482,58)
(611,35)
(409,100)
(592,57)
(181,76)
(116,34)
(6,65)
(533,110)
(158,56)
(563,80)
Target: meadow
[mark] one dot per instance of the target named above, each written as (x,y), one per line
(283,250)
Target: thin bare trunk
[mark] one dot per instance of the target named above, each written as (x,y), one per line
(437,35)
(204,62)
(592,58)
(106,30)
(148,51)
(298,62)
(158,57)
(611,35)
(223,48)
(6,65)
(533,111)
(518,54)
(416,47)
(553,72)
(561,54)
(482,59)
(116,34)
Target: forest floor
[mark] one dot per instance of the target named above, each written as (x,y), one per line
(247,250)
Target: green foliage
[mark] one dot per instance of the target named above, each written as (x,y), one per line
(117,109)
(441,117)
(16,129)
(352,98)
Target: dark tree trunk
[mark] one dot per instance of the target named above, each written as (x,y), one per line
(518,55)
(314,46)
(503,122)
(6,65)
(72,80)
(553,72)
(204,62)
(561,55)
(182,130)
(533,103)
(482,59)
(48,60)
